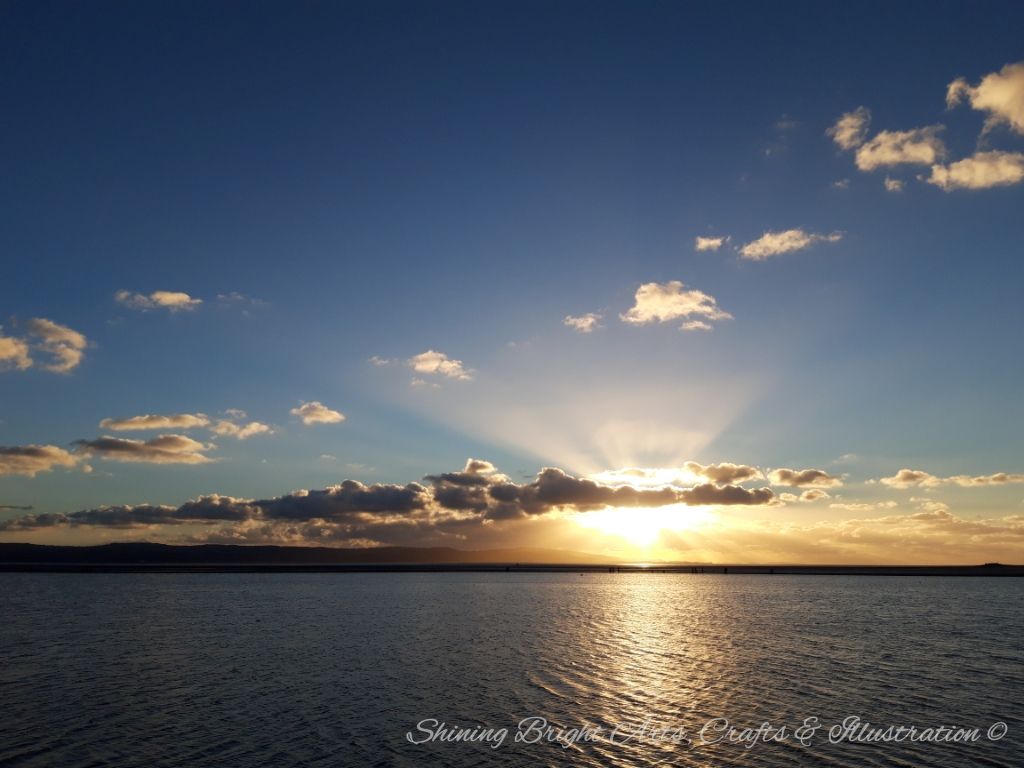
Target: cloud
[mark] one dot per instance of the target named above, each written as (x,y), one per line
(439,364)
(916,478)
(1000,94)
(30,460)
(775,243)
(724,473)
(14,353)
(851,129)
(893,185)
(920,146)
(806,497)
(317,413)
(841,184)
(909,478)
(226,428)
(173,301)
(665,302)
(446,504)
(236,299)
(804,478)
(709,243)
(63,347)
(863,507)
(153,421)
(726,495)
(587,323)
(165,449)
(379,361)
(980,171)
(417,383)
(66,347)
(696,325)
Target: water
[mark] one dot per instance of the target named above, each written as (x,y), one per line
(335,669)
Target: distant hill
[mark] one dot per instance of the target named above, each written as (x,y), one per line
(145,553)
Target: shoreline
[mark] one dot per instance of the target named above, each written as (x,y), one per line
(993,570)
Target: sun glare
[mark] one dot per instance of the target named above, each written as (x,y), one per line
(641,526)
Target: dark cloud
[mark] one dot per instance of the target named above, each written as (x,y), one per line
(452,504)
(724,473)
(30,460)
(709,494)
(165,449)
(804,478)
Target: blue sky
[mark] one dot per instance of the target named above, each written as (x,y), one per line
(340,182)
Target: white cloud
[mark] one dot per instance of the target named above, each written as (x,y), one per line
(696,325)
(1001,94)
(226,428)
(587,323)
(439,364)
(709,243)
(980,171)
(173,301)
(665,302)
(775,243)
(916,478)
(418,383)
(851,129)
(317,413)
(379,361)
(30,460)
(154,421)
(893,185)
(841,184)
(920,146)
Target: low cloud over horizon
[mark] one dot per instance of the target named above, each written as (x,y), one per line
(480,507)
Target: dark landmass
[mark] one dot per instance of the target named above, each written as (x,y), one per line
(226,558)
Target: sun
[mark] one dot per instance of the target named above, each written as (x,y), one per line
(641,526)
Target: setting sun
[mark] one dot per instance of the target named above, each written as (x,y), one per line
(642,526)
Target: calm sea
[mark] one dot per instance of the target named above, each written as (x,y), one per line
(580,670)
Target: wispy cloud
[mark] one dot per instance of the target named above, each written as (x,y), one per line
(172,301)
(155,421)
(916,478)
(228,428)
(60,348)
(851,129)
(776,243)
(587,323)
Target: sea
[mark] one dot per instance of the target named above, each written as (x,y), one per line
(509,669)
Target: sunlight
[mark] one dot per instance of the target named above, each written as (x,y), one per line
(641,526)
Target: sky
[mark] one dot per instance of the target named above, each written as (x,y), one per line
(682,281)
